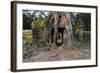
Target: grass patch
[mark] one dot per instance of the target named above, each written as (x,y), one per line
(27,39)
(85,42)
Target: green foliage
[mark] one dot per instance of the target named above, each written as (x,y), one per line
(39,23)
(39,19)
(86,38)
(27,19)
(85,42)
(83,19)
(77,28)
(86,18)
(27,41)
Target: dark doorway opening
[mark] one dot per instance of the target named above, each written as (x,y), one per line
(59,36)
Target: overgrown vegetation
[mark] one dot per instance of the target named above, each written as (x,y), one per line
(53,36)
(27,39)
(84,43)
(41,23)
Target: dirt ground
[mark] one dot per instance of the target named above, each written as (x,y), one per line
(58,54)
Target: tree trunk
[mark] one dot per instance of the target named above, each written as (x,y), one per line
(62,20)
(58,24)
(68,35)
